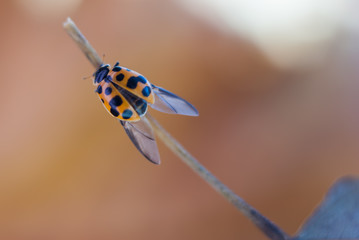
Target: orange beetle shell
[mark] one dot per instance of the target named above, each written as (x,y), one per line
(123,92)
(133,82)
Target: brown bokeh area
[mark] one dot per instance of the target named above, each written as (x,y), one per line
(278,137)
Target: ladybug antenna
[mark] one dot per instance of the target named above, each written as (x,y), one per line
(103,58)
(85,78)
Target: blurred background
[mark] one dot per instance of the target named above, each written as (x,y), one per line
(275,83)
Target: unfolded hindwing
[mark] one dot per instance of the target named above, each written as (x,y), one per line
(142,137)
(168,102)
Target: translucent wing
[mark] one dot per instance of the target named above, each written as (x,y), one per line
(143,138)
(168,102)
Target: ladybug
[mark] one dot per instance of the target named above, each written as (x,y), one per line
(126,95)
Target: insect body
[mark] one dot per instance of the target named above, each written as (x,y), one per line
(126,95)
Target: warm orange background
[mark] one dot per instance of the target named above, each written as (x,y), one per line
(279,138)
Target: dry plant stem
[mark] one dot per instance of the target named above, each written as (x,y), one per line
(269,228)
(265,225)
(82,42)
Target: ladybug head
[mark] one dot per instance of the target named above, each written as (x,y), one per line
(101,73)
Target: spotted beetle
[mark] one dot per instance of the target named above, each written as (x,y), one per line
(126,95)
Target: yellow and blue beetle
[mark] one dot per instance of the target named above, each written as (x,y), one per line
(126,95)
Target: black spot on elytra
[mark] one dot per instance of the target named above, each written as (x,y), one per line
(120,77)
(127,114)
(116,69)
(115,101)
(133,81)
(114,112)
(102,100)
(146,91)
(108,90)
(99,89)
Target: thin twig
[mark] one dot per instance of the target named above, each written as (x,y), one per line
(264,224)
(82,42)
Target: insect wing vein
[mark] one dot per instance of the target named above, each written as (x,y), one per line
(168,102)
(142,137)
